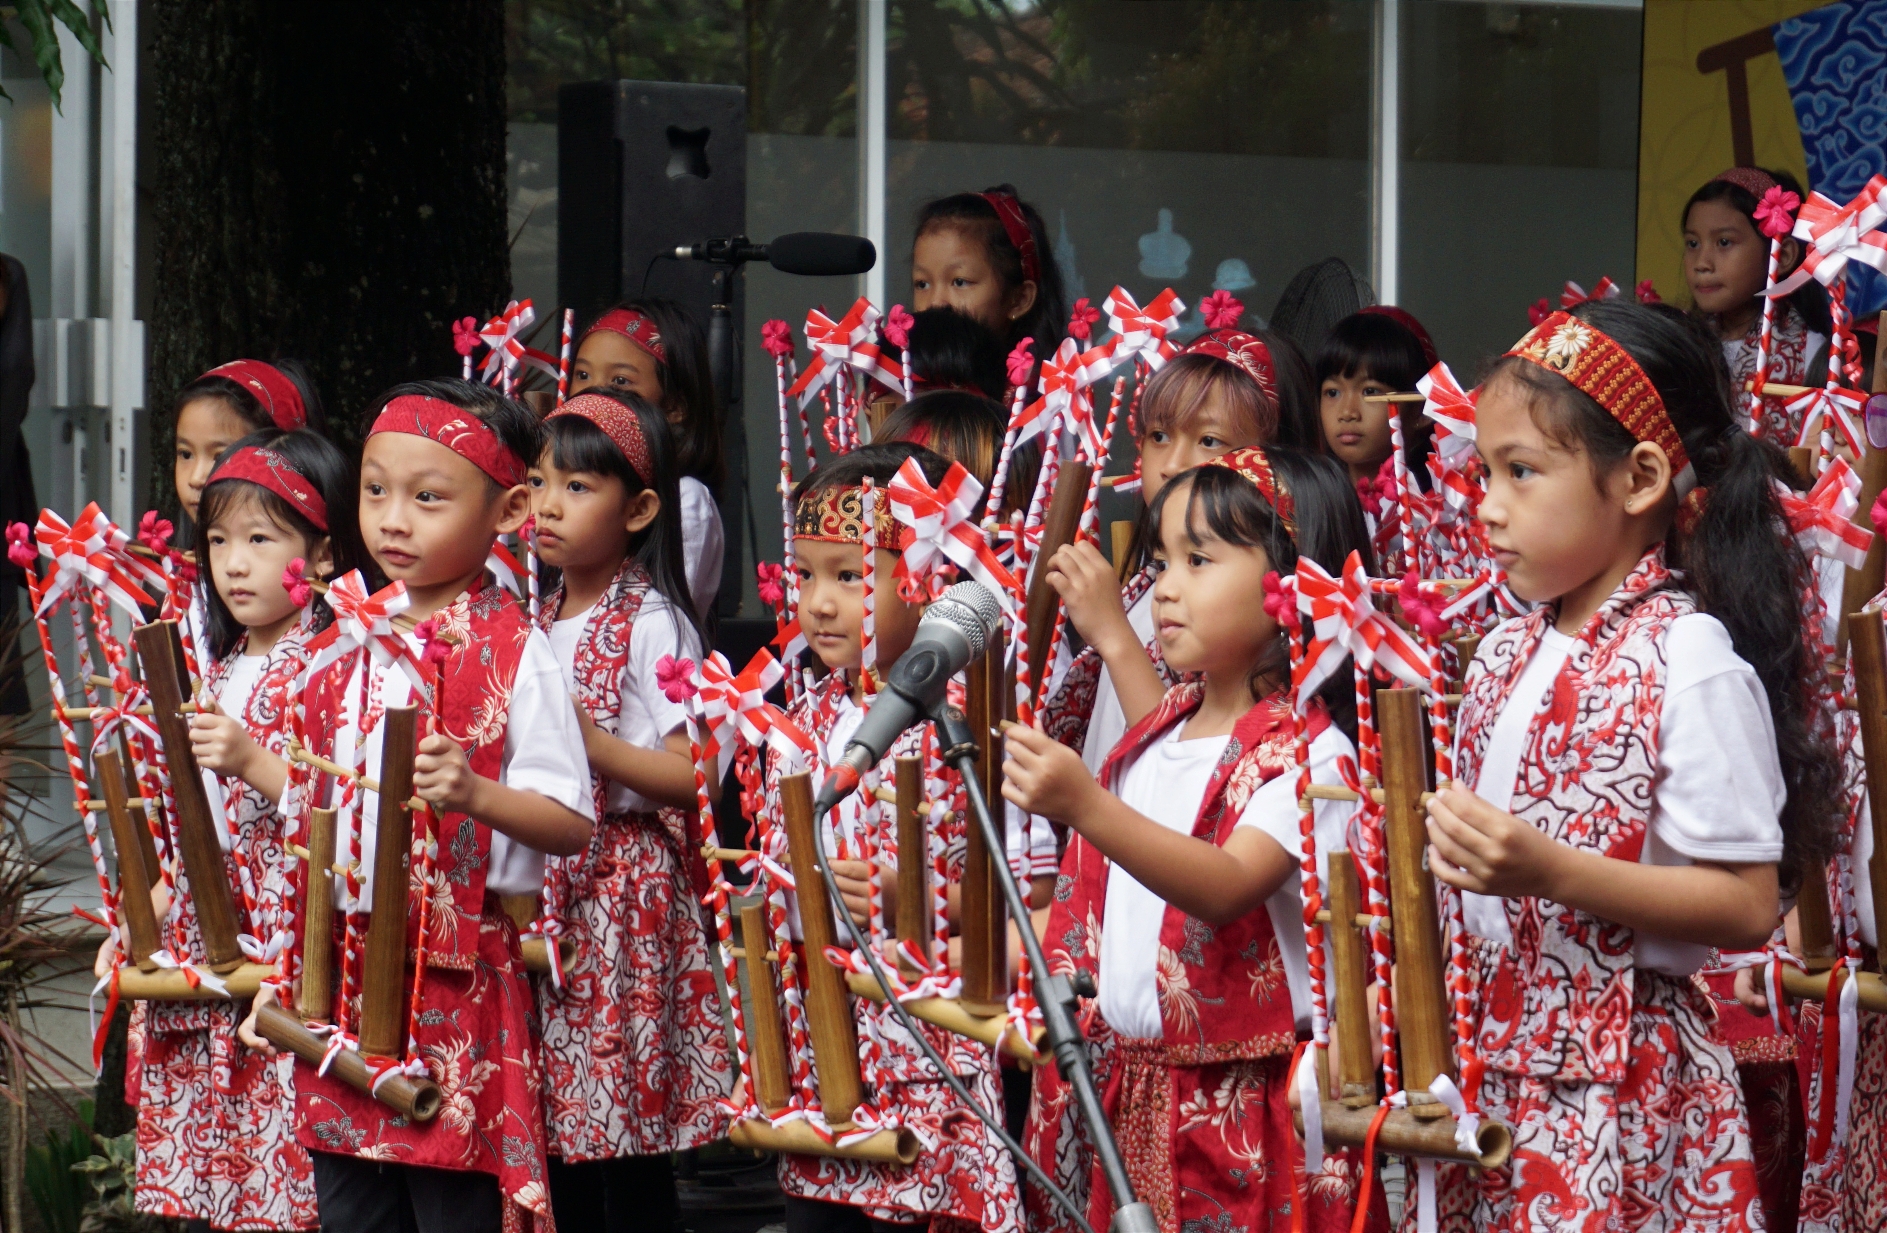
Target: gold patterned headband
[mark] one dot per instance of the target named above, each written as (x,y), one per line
(837,516)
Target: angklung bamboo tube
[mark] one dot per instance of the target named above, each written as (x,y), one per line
(1867,650)
(1421,974)
(766,1033)
(418,1099)
(1405,1134)
(317,952)
(1121,539)
(172,985)
(1861,585)
(161,652)
(1042,607)
(134,879)
(914,893)
(1350,974)
(383,979)
(949,1014)
(828,1005)
(984,930)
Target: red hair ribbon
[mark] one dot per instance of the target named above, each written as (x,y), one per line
(455,428)
(1015,225)
(619,424)
(264,467)
(637,327)
(270,387)
(1407,321)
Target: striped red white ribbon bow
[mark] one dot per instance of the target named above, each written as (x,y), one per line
(1837,234)
(1064,382)
(943,520)
(1452,409)
(506,570)
(736,705)
(91,550)
(1572,294)
(1843,406)
(1822,517)
(1342,616)
(1141,333)
(363,620)
(503,335)
(851,340)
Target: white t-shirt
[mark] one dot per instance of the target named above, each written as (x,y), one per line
(1718,793)
(703,543)
(644,714)
(1108,723)
(1167,783)
(232,699)
(543,753)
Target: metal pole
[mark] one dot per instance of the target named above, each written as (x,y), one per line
(871,140)
(120,149)
(1386,152)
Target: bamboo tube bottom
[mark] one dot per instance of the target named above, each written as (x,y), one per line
(895,1147)
(1813,987)
(170,984)
(1404,1134)
(537,955)
(418,1099)
(954,1016)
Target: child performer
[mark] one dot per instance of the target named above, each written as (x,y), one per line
(987,256)
(1179,892)
(216,1127)
(1638,766)
(229,402)
(1380,350)
(653,348)
(1726,266)
(635,1059)
(1222,394)
(500,760)
(963,1171)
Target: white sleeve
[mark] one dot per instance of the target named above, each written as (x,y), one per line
(1719,791)
(1273,808)
(659,631)
(703,544)
(543,741)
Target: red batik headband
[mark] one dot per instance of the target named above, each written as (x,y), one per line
(1244,351)
(1015,225)
(1409,323)
(260,465)
(1752,180)
(619,424)
(635,327)
(270,386)
(455,428)
(1253,463)
(1605,372)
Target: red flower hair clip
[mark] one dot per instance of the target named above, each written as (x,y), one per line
(1221,310)
(1775,213)
(294,581)
(20,548)
(1648,293)
(1280,600)
(1539,311)
(772,585)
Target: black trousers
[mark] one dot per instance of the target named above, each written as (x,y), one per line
(630,1194)
(366,1196)
(813,1216)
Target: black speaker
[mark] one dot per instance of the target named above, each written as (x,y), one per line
(644,167)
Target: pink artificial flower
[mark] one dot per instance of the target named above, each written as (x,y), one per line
(1539,311)
(898,327)
(1775,213)
(772,584)
(1021,362)
(1221,310)
(465,335)
(1422,610)
(20,548)
(1081,320)
(185,564)
(300,591)
(777,337)
(676,677)
(1279,600)
(154,532)
(1878,515)
(1648,293)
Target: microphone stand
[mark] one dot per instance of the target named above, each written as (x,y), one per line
(1064,1035)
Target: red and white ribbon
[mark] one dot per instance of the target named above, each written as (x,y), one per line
(1142,333)
(90,551)
(943,522)
(363,620)
(1572,294)
(1837,234)
(503,334)
(850,341)
(1345,621)
(1822,518)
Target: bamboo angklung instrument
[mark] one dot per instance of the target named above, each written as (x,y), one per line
(1424,1126)
(828,1005)
(317,962)
(1042,609)
(134,878)
(985,924)
(1121,539)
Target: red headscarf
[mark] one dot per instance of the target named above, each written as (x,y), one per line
(270,386)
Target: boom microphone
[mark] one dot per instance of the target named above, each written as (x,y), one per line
(799,252)
(952,633)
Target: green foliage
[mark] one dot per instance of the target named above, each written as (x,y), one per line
(58,1192)
(38,17)
(113,1174)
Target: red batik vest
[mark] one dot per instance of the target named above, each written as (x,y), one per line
(488,631)
(1222,990)
(1560,1005)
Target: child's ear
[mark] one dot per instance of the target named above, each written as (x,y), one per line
(1648,478)
(643,508)
(1021,301)
(321,558)
(514,506)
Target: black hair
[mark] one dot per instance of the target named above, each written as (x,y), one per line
(952,351)
(687,389)
(1047,319)
(1388,352)
(878,462)
(247,406)
(576,444)
(322,464)
(963,427)
(1809,301)
(1299,424)
(1739,560)
(516,425)
(1330,526)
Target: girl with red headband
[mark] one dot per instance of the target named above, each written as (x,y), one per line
(653,349)
(635,1060)
(216,1129)
(1380,350)
(1641,764)
(986,255)
(499,763)
(231,401)
(1726,266)
(1179,893)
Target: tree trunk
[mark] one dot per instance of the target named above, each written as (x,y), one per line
(326,183)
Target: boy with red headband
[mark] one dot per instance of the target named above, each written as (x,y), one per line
(500,762)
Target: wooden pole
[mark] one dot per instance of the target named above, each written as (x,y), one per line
(134,878)
(1406,1133)
(418,1099)
(317,946)
(914,907)
(383,979)
(1868,650)
(1059,524)
(1121,538)
(766,1033)
(147,842)
(161,652)
(1350,975)
(985,926)
(1421,991)
(828,1004)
